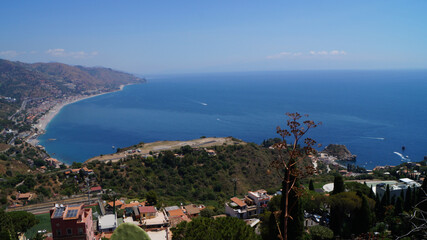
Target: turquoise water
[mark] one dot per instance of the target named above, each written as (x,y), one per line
(373,113)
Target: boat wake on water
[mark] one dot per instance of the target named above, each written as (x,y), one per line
(376,138)
(403,158)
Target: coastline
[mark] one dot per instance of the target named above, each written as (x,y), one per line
(44,121)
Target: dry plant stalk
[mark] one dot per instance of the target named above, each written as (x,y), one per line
(288,165)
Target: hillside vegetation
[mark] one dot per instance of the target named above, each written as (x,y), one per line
(191,174)
(21,80)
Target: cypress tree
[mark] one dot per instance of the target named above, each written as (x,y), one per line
(408,199)
(371,194)
(387,195)
(398,208)
(364,217)
(379,209)
(422,195)
(338,184)
(311,185)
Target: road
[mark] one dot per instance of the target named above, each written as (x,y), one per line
(24,103)
(46,206)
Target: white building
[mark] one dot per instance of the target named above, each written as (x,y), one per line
(397,188)
(253,204)
(107,223)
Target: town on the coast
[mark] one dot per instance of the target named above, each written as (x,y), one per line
(171,190)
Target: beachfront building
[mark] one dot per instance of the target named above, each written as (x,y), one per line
(254,203)
(396,188)
(71,222)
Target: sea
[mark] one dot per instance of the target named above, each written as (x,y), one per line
(373,113)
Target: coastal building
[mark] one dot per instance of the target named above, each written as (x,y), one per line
(396,188)
(254,203)
(71,222)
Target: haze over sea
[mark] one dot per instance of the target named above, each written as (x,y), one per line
(374,113)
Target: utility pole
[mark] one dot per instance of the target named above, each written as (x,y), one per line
(88,190)
(235,185)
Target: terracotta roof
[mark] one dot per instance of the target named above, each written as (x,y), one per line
(24,195)
(118,203)
(176,213)
(52,159)
(192,209)
(87,169)
(147,209)
(98,188)
(129,205)
(239,202)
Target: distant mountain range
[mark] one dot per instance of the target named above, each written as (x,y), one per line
(22,80)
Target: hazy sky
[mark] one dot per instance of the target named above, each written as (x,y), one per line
(213,36)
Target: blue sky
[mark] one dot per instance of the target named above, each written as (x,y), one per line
(149,37)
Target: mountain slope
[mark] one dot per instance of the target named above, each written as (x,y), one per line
(23,80)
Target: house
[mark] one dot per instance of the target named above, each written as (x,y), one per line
(87,171)
(71,222)
(72,171)
(254,203)
(131,209)
(24,196)
(193,210)
(97,189)
(107,223)
(177,216)
(211,152)
(236,208)
(53,162)
(118,204)
(147,212)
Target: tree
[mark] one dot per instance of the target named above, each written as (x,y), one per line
(320,233)
(363,217)
(408,199)
(338,184)
(398,208)
(151,198)
(289,166)
(311,185)
(207,212)
(7,230)
(207,228)
(129,231)
(22,220)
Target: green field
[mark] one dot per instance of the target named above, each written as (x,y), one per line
(43,224)
(94,210)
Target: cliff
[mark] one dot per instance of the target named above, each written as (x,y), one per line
(340,152)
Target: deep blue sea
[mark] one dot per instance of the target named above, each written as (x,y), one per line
(374,113)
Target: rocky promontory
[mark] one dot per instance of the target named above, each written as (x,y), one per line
(340,152)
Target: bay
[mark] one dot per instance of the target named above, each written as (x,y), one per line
(374,113)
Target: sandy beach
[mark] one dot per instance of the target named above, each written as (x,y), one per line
(45,119)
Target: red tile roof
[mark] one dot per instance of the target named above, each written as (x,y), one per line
(147,209)
(118,203)
(239,202)
(98,188)
(176,213)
